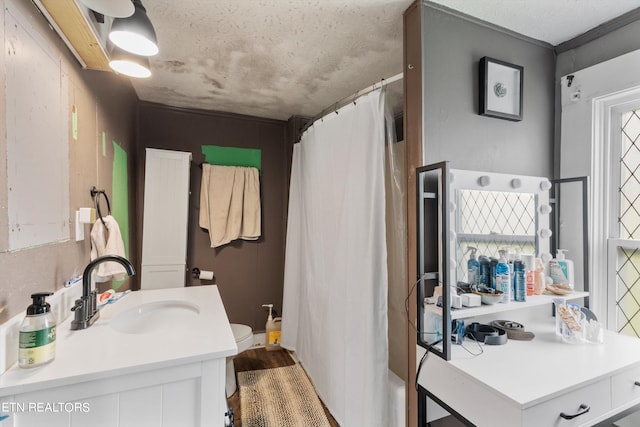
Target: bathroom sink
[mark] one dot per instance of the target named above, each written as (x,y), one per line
(156,316)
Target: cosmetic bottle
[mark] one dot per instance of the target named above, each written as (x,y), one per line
(529,273)
(520,286)
(473,267)
(503,277)
(561,270)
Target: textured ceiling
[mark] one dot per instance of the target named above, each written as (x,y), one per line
(552,21)
(278,58)
(271,58)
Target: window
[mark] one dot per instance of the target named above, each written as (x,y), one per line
(624,244)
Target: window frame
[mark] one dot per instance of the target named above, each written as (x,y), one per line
(606,151)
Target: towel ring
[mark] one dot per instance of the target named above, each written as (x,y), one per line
(95,194)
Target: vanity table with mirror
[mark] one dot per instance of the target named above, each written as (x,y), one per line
(542,381)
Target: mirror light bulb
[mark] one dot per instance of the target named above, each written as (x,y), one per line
(544,209)
(545,185)
(484,181)
(544,233)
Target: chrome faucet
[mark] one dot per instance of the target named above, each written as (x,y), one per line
(85,309)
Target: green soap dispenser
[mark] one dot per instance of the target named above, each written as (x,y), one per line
(37,334)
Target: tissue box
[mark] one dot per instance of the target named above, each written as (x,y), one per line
(471,300)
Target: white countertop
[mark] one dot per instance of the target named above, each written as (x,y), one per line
(528,372)
(101,352)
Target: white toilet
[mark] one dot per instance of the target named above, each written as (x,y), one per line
(243,335)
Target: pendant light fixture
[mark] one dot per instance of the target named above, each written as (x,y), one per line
(129,64)
(115,8)
(135,33)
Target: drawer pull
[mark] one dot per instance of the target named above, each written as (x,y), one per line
(583,410)
(637,383)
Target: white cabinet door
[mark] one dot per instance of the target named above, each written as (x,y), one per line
(166,206)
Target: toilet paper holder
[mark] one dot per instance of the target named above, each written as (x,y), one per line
(201,274)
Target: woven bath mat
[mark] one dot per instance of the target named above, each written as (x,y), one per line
(279,397)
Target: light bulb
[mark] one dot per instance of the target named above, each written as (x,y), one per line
(545,185)
(484,181)
(544,233)
(544,209)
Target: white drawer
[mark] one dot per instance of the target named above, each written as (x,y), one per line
(623,387)
(596,396)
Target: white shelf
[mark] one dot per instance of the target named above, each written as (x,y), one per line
(532,301)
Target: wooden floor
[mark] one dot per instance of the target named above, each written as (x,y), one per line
(258,358)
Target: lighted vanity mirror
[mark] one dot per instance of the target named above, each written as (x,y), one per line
(460,209)
(494,211)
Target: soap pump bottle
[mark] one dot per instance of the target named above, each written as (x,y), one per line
(37,343)
(272,330)
(561,270)
(473,267)
(503,276)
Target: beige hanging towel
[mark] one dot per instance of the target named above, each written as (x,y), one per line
(230,203)
(106,239)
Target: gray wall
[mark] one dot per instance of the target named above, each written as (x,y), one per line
(608,46)
(452,129)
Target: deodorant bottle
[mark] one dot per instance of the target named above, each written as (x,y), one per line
(37,334)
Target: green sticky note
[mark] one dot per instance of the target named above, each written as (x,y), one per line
(232,156)
(104,144)
(74,123)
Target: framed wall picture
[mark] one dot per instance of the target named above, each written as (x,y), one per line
(501,85)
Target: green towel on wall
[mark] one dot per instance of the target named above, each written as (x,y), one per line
(232,156)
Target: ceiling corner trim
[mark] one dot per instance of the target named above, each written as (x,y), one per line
(599,31)
(73,27)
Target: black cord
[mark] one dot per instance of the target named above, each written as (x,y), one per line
(406,305)
(424,357)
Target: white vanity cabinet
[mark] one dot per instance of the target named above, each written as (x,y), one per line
(177,396)
(531,383)
(142,372)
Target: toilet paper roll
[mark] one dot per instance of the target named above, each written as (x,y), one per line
(206,275)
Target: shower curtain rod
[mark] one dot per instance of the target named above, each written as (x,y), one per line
(352,98)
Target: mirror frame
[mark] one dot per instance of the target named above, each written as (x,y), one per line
(440,246)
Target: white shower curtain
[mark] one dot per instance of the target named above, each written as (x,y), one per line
(335,284)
